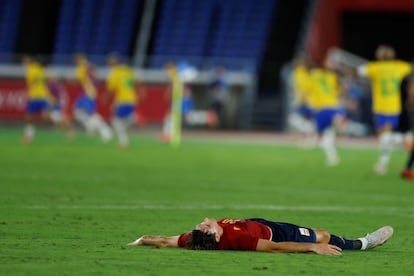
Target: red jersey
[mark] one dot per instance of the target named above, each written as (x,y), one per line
(237,234)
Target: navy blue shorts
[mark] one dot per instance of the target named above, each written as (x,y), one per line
(37,105)
(287,232)
(86,104)
(382,120)
(123,111)
(324,118)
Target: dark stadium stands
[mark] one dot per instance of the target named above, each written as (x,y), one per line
(231,32)
(9,18)
(203,33)
(95,27)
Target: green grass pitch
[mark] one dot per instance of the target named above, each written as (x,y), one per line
(69,208)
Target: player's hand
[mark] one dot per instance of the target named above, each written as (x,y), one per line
(327,249)
(136,242)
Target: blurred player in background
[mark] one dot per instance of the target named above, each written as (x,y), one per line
(38,96)
(406,123)
(301,115)
(172,122)
(352,100)
(385,74)
(85,106)
(182,112)
(58,99)
(219,94)
(325,92)
(121,83)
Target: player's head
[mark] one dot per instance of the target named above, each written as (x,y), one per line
(171,69)
(80,58)
(112,60)
(385,52)
(202,241)
(26,60)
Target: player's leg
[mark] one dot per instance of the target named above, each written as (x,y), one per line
(96,122)
(324,121)
(407,173)
(371,240)
(323,236)
(33,107)
(81,113)
(166,129)
(122,119)
(29,129)
(386,142)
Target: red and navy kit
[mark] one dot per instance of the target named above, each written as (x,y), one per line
(244,234)
(237,234)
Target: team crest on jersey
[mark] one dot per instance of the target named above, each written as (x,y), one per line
(304,232)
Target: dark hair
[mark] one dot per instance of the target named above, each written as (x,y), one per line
(201,241)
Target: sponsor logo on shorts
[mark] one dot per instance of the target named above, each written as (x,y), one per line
(304,232)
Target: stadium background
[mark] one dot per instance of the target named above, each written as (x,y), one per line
(253,39)
(69,207)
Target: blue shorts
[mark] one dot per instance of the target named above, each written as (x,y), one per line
(382,120)
(305,111)
(187,105)
(37,105)
(324,118)
(123,111)
(286,232)
(86,104)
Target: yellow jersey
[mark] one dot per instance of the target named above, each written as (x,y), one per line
(324,89)
(83,74)
(36,82)
(386,77)
(121,82)
(300,79)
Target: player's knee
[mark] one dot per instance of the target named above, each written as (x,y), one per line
(322,236)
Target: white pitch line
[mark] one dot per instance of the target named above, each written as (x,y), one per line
(398,211)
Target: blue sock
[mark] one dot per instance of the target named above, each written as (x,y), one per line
(344,243)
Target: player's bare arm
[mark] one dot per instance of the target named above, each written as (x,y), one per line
(295,247)
(158,241)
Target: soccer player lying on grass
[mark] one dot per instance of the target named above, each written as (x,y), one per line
(258,234)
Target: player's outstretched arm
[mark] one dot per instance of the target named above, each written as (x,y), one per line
(298,247)
(158,241)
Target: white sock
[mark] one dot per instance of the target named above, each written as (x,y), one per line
(56,116)
(167,126)
(397,138)
(29,131)
(328,145)
(298,123)
(120,130)
(364,242)
(83,119)
(104,130)
(386,142)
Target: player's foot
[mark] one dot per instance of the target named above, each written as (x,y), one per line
(26,139)
(377,237)
(123,146)
(407,174)
(136,242)
(380,169)
(333,161)
(106,136)
(165,138)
